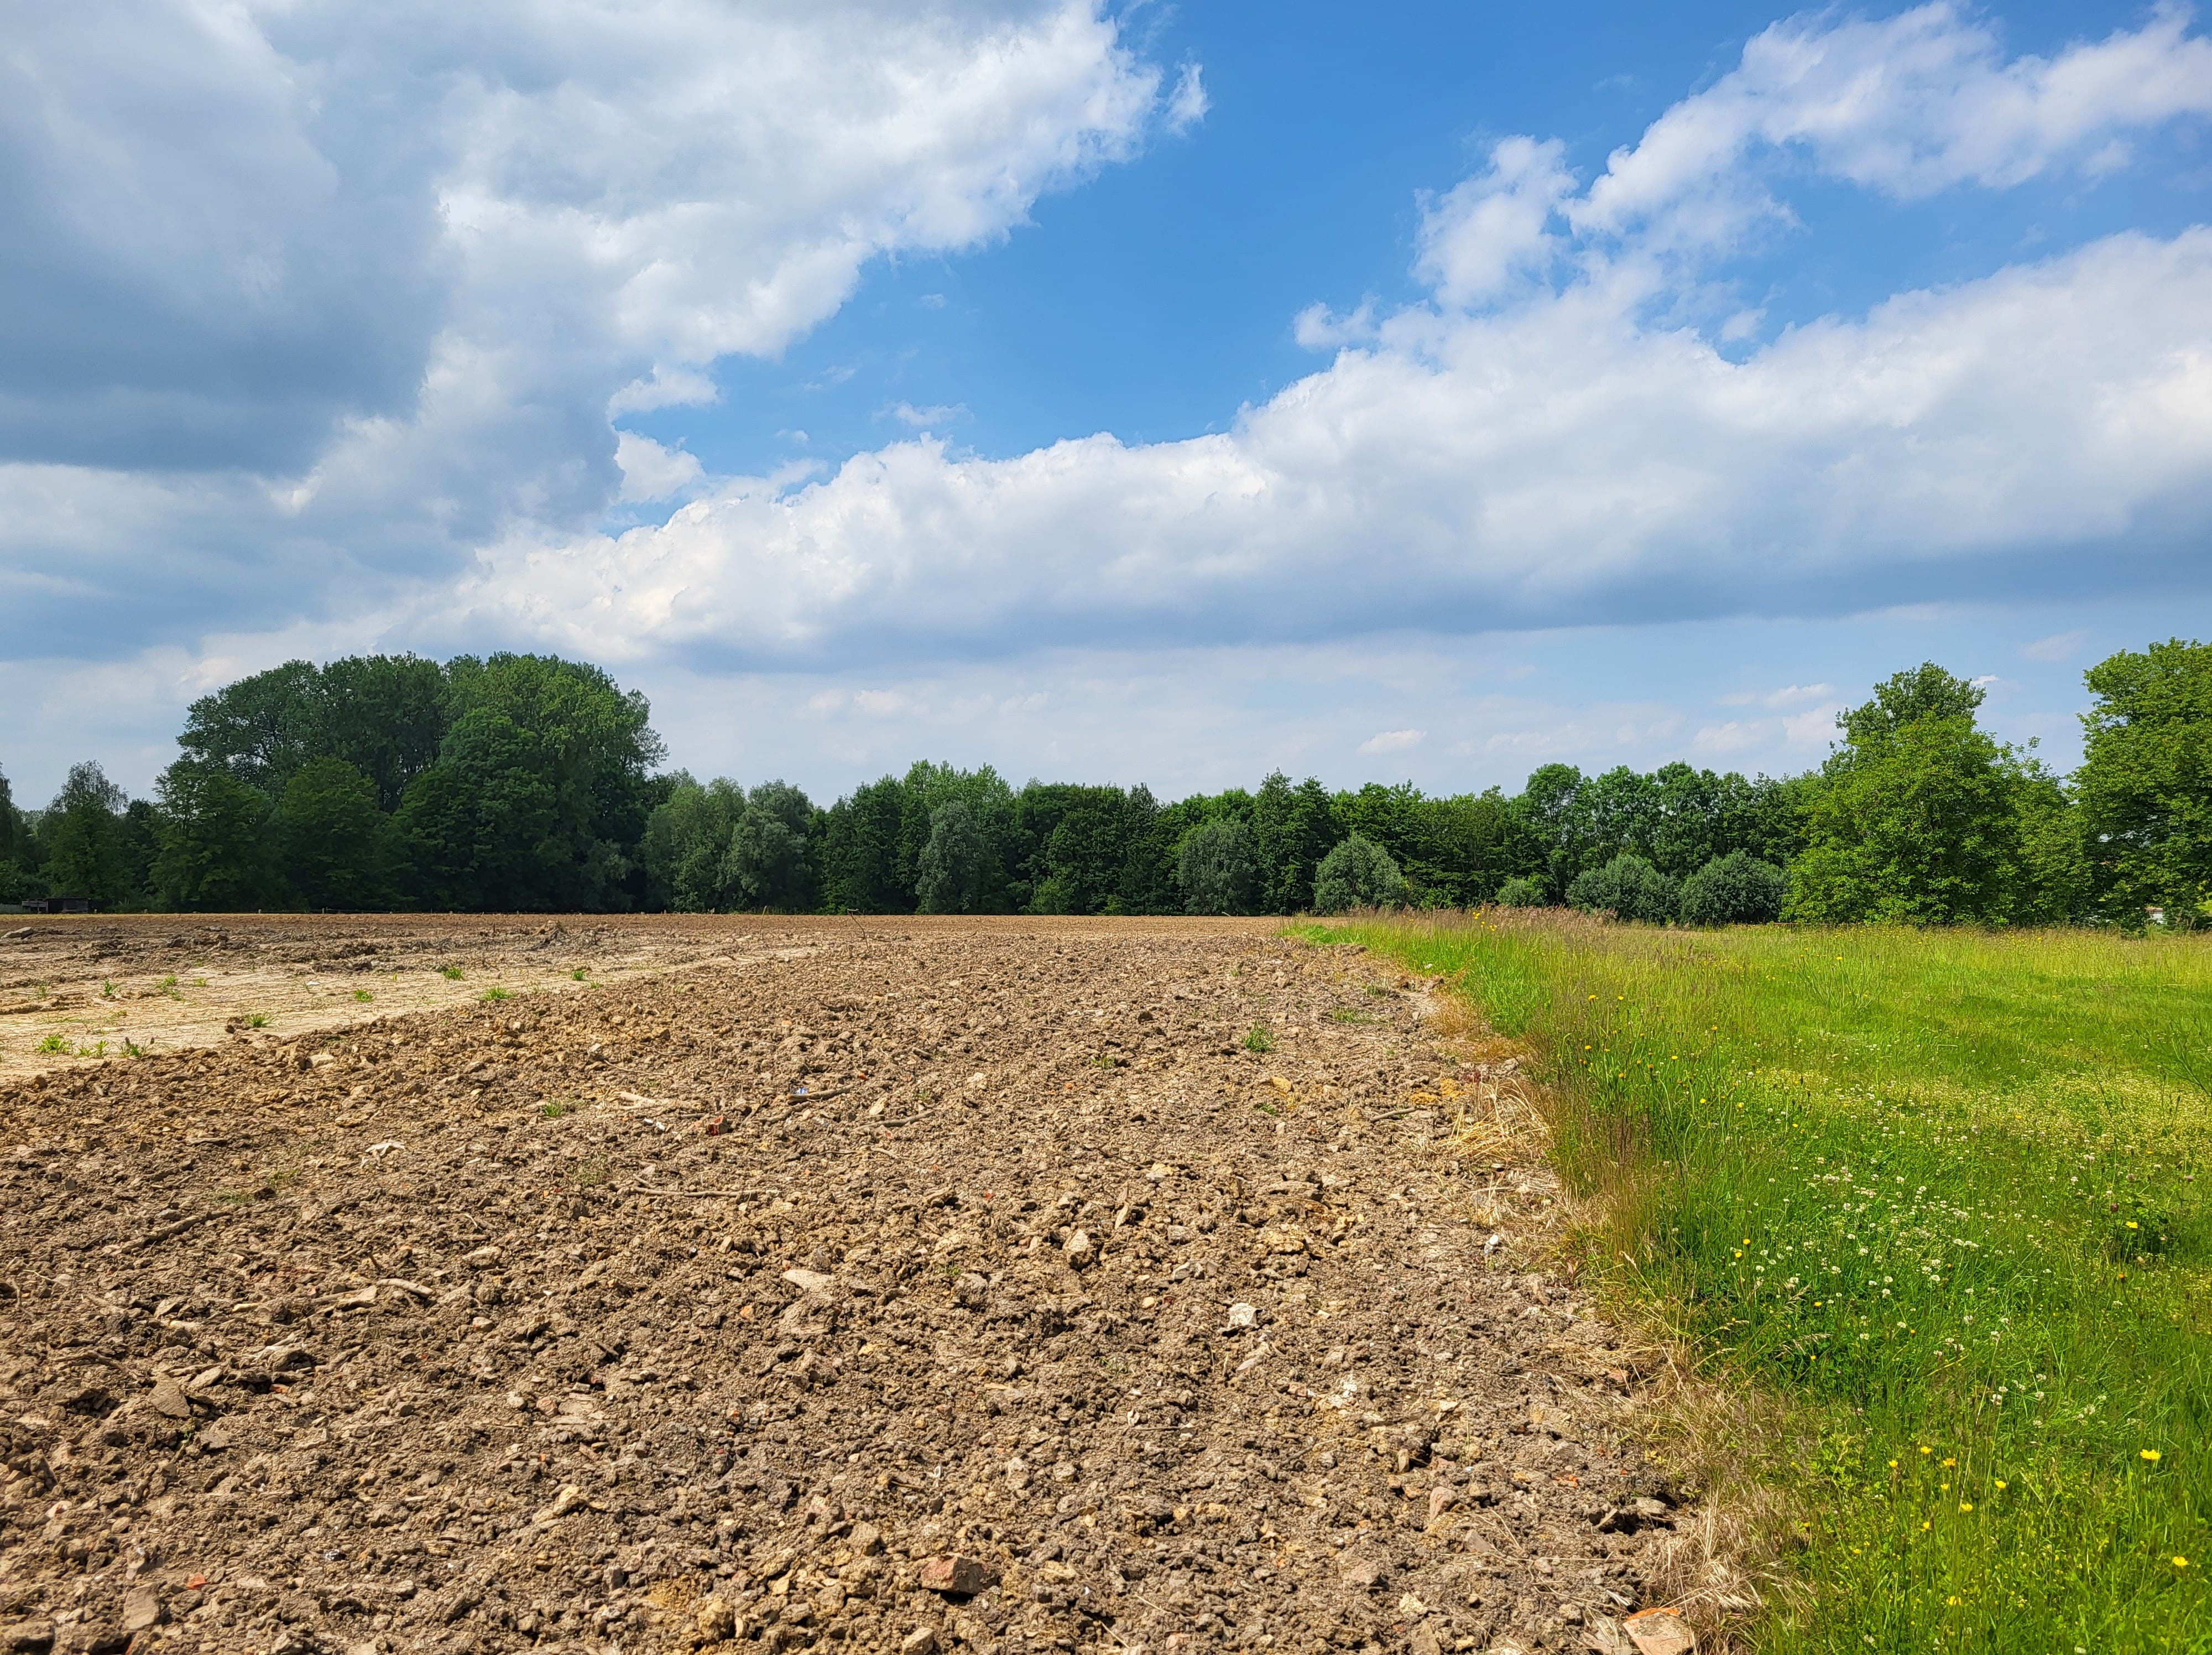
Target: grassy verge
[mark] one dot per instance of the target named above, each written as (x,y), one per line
(1942,1192)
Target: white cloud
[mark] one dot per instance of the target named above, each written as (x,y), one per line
(1909,105)
(2058,646)
(310,274)
(653,472)
(1536,446)
(1188,103)
(937,413)
(1391,741)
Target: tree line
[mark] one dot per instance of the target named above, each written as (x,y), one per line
(529,784)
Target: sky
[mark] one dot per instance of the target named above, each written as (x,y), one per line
(1140,393)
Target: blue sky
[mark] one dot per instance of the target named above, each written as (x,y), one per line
(1153,393)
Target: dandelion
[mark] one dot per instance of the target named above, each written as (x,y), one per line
(2180,1562)
(1893,1466)
(1966,1504)
(2152,1455)
(1925,1450)
(1948,1464)
(2131,1224)
(2001,1485)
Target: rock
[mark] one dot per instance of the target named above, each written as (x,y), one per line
(955,1577)
(1425,1640)
(28,1637)
(168,1397)
(1412,1607)
(566,1501)
(716,1620)
(1080,1249)
(922,1640)
(1243,1315)
(1660,1632)
(483,1259)
(1363,1573)
(867,1540)
(808,1280)
(143,1610)
(972,1291)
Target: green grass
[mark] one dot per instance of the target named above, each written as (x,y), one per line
(494,995)
(450,973)
(257,1019)
(1942,1192)
(363,993)
(1256,1038)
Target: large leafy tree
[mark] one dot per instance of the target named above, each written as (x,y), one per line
(215,853)
(87,853)
(333,837)
(2145,783)
(1919,814)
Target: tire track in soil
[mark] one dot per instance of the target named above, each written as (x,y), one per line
(1019,1275)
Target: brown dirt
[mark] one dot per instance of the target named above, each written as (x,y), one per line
(864,1284)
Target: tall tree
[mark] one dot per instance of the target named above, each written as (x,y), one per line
(85,850)
(1918,816)
(334,838)
(2146,781)
(215,852)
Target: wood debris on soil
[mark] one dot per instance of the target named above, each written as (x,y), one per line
(899,1286)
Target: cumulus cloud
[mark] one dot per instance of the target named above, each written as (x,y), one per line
(331,274)
(1391,741)
(1531,445)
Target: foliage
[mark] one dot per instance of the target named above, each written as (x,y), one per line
(950,876)
(333,837)
(1358,874)
(1520,892)
(1940,1192)
(1216,867)
(85,850)
(1737,889)
(215,851)
(1918,814)
(2146,782)
(1629,888)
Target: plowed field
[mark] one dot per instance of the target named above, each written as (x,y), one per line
(885,1284)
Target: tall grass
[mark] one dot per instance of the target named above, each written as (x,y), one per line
(1944,1193)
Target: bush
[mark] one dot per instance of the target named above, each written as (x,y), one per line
(1216,867)
(1737,889)
(1628,887)
(1358,874)
(1520,892)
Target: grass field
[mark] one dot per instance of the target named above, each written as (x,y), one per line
(1940,1193)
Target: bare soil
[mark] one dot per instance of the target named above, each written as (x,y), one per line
(883,1284)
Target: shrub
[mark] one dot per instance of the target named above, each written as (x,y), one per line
(1216,867)
(1737,889)
(1358,874)
(1520,892)
(1628,887)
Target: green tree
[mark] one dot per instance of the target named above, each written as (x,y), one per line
(1918,813)
(2145,784)
(1293,829)
(1737,889)
(214,831)
(1358,874)
(952,862)
(1216,868)
(766,866)
(334,838)
(86,854)
(1629,887)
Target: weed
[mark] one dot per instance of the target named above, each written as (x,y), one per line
(257,1019)
(168,986)
(98,1049)
(1343,1015)
(1256,1038)
(591,1174)
(496,992)
(363,993)
(577,975)
(106,990)
(555,1108)
(450,973)
(53,1043)
(132,1049)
